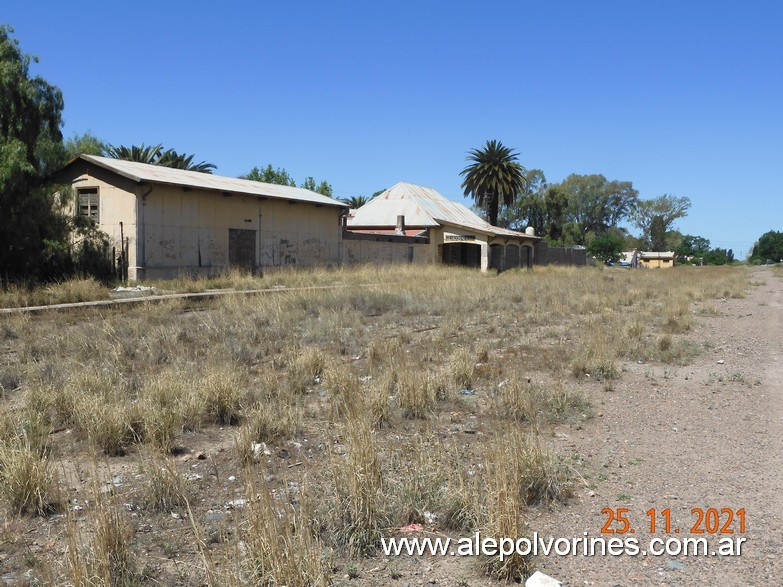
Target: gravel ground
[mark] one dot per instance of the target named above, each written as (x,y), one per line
(701,436)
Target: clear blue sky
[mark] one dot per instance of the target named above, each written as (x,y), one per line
(683,98)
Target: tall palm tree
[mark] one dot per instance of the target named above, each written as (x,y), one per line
(494,176)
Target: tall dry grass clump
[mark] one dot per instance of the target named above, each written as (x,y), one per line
(305,367)
(378,394)
(463,368)
(416,393)
(27,480)
(277,544)
(502,516)
(106,560)
(358,516)
(519,399)
(597,352)
(220,393)
(166,488)
(345,394)
(519,471)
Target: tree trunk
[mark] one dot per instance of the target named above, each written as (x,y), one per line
(492,208)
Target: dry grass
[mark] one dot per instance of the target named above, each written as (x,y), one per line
(65,292)
(358,514)
(106,559)
(429,394)
(278,547)
(27,479)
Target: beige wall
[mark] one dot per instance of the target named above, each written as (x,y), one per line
(189,231)
(116,203)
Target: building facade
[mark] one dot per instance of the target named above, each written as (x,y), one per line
(448,233)
(176,221)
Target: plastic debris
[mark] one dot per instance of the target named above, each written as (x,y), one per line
(539,579)
(412,528)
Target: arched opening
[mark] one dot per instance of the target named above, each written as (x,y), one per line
(496,257)
(512,256)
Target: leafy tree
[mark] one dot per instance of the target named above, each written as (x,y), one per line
(608,247)
(657,233)
(277,176)
(655,218)
(529,208)
(692,249)
(768,248)
(85,144)
(495,177)
(33,232)
(355,201)
(323,188)
(718,256)
(171,158)
(595,204)
(572,212)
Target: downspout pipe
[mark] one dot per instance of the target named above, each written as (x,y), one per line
(140,230)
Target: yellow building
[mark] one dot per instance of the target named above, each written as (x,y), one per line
(416,224)
(656,260)
(177,221)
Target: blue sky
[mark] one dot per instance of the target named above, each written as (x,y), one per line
(682,98)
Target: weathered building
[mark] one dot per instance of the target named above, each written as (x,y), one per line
(447,233)
(179,221)
(656,259)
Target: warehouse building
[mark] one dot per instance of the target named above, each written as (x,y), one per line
(176,221)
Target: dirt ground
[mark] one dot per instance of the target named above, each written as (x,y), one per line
(706,435)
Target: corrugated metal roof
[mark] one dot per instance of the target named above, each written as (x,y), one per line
(421,206)
(142,172)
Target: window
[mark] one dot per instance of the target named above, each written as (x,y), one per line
(88,204)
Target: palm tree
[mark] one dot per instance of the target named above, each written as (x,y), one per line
(494,176)
(137,153)
(171,158)
(155,155)
(355,201)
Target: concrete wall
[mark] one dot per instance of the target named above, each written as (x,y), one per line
(546,255)
(369,249)
(189,230)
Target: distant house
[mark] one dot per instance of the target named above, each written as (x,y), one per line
(416,224)
(629,259)
(656,260)
(177,221)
